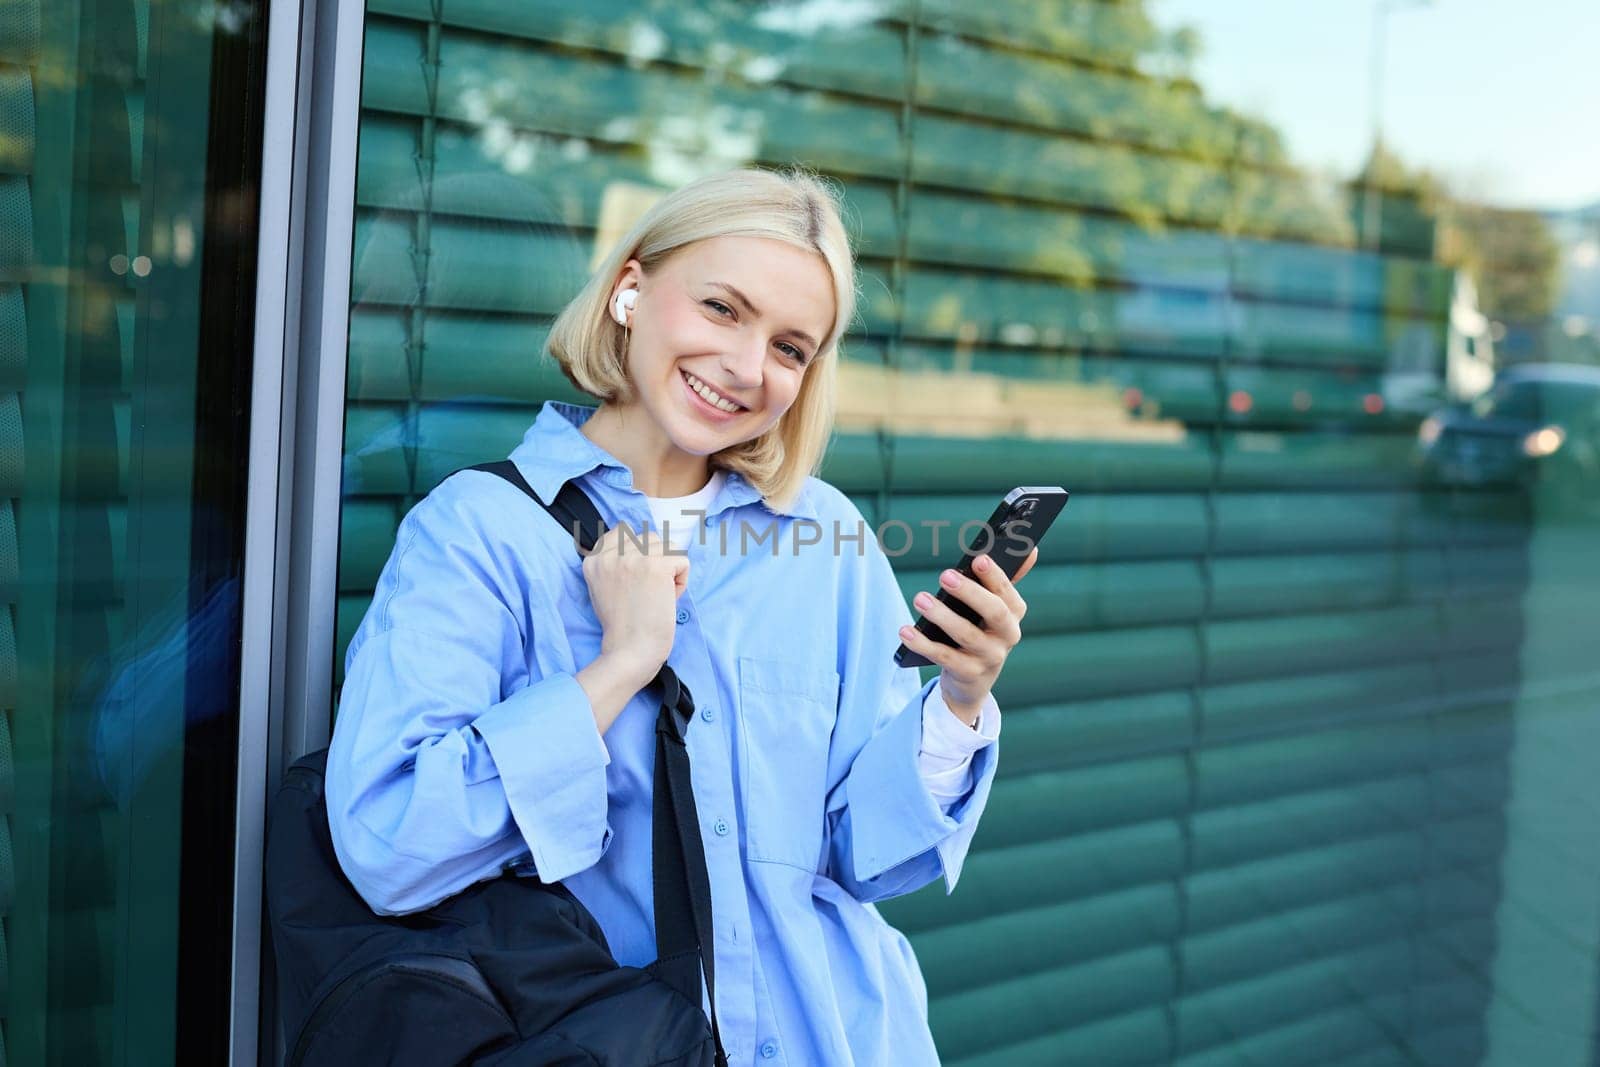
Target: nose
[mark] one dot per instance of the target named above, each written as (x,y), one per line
(743,363)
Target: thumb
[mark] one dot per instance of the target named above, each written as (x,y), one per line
(1027,565)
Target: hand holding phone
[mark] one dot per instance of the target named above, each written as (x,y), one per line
(1017,525)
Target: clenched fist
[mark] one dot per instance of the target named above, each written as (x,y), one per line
(634,584)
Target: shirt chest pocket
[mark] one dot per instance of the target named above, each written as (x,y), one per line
(786,715)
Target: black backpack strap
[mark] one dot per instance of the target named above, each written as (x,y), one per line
(682,888)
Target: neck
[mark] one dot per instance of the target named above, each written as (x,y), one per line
(660,468)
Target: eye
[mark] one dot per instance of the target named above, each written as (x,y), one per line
(719,307)
(791,351)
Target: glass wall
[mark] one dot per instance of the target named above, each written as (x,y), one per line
(1302,302)
(129,153)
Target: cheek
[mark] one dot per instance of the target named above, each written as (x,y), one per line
(785,389)
(680,326)
(669,336)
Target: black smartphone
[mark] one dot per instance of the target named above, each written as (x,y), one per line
(1016,526)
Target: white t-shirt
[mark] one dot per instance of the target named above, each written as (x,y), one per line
(680,518)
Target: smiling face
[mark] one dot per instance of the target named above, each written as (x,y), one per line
(721,336)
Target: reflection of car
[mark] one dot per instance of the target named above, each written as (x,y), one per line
(1538,425)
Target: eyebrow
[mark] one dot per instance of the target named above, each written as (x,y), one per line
(753,310)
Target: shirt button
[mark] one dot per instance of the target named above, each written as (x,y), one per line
(720,827)
(683,616)
(768,1050)
(707,714)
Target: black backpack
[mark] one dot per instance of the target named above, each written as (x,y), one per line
(511,972)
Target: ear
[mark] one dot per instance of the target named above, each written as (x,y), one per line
(630,277)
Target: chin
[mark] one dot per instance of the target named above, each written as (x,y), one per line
(698,443)
(705,440)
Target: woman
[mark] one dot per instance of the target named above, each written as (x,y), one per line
(492,713)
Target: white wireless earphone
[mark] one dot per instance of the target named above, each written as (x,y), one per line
(624,304)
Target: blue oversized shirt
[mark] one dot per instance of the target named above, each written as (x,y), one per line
(464,744)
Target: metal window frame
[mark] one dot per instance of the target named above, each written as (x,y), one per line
(314,51)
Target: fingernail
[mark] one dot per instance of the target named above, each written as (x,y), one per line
(950,578)
(982,564)
(905,631)
(923,600)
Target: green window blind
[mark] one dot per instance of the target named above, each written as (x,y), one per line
(1252,803)
(19,44)
(83,855)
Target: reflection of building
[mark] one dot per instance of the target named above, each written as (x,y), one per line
(965,404)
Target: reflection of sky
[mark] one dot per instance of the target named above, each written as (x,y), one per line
(811,16)
(1495,96)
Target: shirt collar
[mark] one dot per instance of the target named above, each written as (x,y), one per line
(554,451)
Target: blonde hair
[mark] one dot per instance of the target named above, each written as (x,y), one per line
(795,207)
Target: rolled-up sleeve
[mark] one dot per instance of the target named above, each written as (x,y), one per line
(447,764)
(887,834)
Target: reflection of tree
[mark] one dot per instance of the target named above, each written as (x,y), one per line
(1275,198)
(692,86)
(1513,255)
(1407,200)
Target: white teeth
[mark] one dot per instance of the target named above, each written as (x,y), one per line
(711,397)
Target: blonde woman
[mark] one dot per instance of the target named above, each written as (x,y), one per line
(493,716)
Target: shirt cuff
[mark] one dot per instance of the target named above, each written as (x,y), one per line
(948,744)
(552,763)
(895,818)
(947,737)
